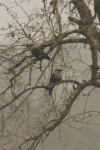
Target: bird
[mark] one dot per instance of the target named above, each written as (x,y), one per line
(97,8)
(37,51)
(55,77)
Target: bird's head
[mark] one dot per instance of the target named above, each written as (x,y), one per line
(32,45)
(58,73)
(57,70)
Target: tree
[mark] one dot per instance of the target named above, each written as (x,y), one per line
(63,29)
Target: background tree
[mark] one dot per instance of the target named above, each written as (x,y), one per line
(65,30)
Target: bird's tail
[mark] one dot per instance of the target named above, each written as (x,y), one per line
(50,91)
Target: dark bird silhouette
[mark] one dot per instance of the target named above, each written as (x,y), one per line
(37,51)
(97,8)
(55,77)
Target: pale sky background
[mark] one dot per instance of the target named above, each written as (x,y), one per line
(5,18)
(28,6)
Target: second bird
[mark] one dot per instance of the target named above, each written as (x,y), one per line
(55,77)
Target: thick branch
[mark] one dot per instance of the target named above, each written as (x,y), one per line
(50,43)
(93,47)
(83,10)
(77,21)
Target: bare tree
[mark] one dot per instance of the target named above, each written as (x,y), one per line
(64,29)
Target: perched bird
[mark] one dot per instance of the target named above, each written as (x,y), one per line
(55,77)
(97,8)
(37,51)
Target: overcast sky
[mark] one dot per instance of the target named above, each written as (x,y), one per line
(5,19)
(28,6)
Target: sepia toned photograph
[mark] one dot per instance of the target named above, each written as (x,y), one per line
(49,74)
